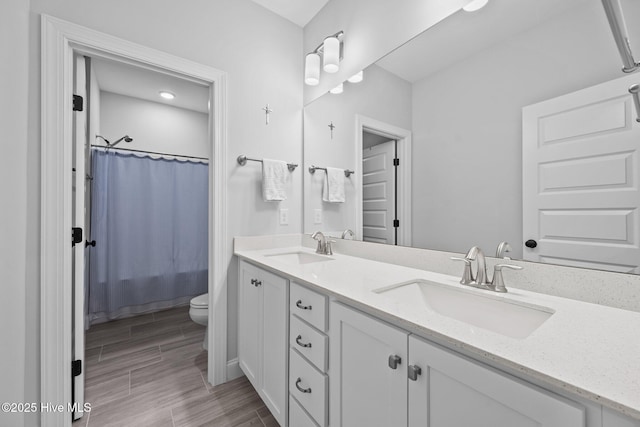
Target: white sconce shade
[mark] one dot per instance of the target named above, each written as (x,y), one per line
(356,78)
(338,89)
(475,5)
(312,69)
(331,54)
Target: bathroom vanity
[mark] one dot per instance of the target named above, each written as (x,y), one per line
(342,340)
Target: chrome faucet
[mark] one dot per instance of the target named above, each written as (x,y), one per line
(481,280)
(348,232)
(481,275)
(322,242)
(502,248)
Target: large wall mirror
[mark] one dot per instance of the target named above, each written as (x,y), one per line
(449,105)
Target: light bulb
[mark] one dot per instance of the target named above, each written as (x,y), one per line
(356,78)
(475,5)
(331,55)
(312,69)
(338,89)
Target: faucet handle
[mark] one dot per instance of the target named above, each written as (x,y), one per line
(467,275)
(327,247)
(498,281)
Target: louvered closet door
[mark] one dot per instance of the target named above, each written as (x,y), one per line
(581,185)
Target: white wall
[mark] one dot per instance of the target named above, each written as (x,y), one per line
(153,126)
(381,96)
(468,126)
(14,360)
(261,53)
(372,29)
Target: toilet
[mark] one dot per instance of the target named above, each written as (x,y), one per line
(199,313)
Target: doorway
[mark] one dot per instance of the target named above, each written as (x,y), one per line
(61,41)
(383,164)
(380,164)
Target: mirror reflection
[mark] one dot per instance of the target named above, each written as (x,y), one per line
(457,107)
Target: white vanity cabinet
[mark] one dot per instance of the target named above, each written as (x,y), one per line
(378,371)
(368,367)
(446,389)
(263,335)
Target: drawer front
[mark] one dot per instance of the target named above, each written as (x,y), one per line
(297,416)
(309,305)
(309,387)
(309,342)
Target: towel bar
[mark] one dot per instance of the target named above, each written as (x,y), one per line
(242,160)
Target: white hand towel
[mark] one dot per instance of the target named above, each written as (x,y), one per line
(274,178)
(333,188)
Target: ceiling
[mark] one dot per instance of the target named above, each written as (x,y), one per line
(467,33)
(143,83)
(299,12)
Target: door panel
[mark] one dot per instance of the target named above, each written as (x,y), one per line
(581,186)
(379,193)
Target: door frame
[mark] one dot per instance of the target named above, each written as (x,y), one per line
(60,39)
(403,138)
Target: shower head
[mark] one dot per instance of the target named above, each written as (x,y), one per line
(125,138)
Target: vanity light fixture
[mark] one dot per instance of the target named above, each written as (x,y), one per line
(356,78)
(475,5)
(331,52)
(166,95)
(338,89)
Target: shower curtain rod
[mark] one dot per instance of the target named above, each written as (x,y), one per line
(151,152)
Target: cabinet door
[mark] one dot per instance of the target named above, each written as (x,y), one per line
(274,343)
(249,325)
(454,391)
(364,388)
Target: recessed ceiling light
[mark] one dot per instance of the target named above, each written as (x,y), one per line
(475,5)
(166,95)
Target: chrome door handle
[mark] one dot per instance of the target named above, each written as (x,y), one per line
(302,390)
(413,372)
(301,344)
(394,361)
(302,307)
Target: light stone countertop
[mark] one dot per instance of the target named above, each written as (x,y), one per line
(588,350)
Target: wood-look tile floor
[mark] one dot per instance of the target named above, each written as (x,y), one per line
(151,370)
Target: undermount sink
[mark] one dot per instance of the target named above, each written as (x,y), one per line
(299,258)
(510,318)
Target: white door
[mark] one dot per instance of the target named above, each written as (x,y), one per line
(453,391)
(379,193)
(581,181)
(249,325)
(78,221)
(368,364)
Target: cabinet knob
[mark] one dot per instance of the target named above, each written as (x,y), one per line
(394,361)
(302,344)
(413,372)
(302,307)
(531,243)
(302,390)
(256,282)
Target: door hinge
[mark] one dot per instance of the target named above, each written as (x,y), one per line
(78,103)
(396,162)
(396,223)
(76,368)
(76,235)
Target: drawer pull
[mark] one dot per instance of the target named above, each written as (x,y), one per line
(301,344)
(414,372)
(302,390)
(394,361)
(256,282)
(302,307)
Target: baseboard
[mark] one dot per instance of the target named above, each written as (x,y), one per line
(233,369)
